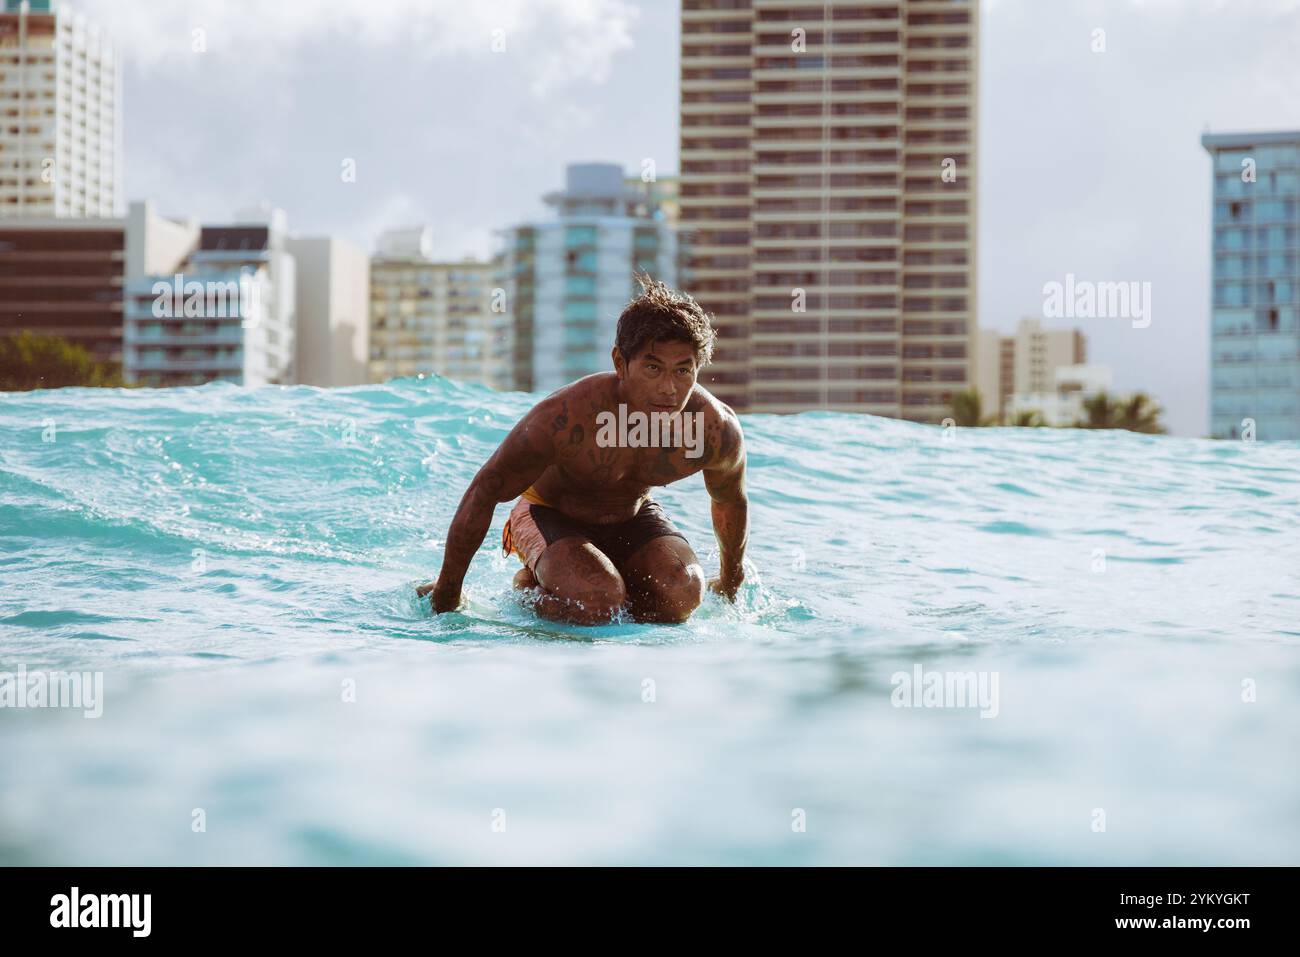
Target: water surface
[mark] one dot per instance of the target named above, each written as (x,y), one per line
(240,565)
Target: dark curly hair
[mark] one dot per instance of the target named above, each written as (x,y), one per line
(661,313)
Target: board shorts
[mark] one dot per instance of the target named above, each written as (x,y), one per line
(532,527)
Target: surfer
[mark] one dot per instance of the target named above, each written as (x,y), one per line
(581,464)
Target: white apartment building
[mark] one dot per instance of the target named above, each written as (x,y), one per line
(1062,405)
(1024,363)
(1040,352)
(60,114)
(435,317)
(222,306)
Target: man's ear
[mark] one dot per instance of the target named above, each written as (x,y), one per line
(620,365)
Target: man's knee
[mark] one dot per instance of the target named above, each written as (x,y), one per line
(670,589)
(598,597)
(680,584)
(683,593)
(582,584)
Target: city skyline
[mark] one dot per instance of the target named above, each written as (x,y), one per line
(1083,153)
(632,433)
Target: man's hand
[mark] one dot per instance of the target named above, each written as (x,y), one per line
(726,588)
(444,599)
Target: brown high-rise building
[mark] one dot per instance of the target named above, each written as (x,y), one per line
(827,197)
(63,277)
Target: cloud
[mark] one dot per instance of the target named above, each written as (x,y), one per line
(557,42)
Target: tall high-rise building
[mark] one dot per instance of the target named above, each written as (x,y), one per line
(435,317)
(567,279)
(827,196)
(60,114)
(1255,309)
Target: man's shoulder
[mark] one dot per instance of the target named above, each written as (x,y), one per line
(559,422)
(721,423)
(574,399)
(591,388)
(716,412)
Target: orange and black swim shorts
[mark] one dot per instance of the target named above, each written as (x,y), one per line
(533,526)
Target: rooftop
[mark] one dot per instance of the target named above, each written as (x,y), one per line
(1213,141)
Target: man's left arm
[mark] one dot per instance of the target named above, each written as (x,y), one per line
(724,477)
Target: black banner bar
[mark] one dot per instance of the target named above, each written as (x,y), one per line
(330,906)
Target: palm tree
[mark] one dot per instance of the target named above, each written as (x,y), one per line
(1138,413)
(1101,412)
(1141,413)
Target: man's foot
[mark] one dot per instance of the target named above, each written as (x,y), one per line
(524,578)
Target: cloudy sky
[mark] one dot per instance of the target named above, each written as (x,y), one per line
(1090,163)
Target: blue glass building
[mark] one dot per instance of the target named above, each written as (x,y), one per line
(1255,304)
(568,278)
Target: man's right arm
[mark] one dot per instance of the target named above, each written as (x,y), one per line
(521,459)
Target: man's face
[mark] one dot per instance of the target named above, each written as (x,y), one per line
(660,377)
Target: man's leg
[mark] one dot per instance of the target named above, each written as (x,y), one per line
(579,583)
(664,580)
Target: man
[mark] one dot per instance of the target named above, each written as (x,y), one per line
(582,463)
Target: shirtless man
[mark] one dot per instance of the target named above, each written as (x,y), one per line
(585,527)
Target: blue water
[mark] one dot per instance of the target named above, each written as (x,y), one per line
(238,563)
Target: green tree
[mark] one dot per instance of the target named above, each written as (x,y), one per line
(31,361)
(1028,419)
(968,409)
(1138,413)
(1100,412)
